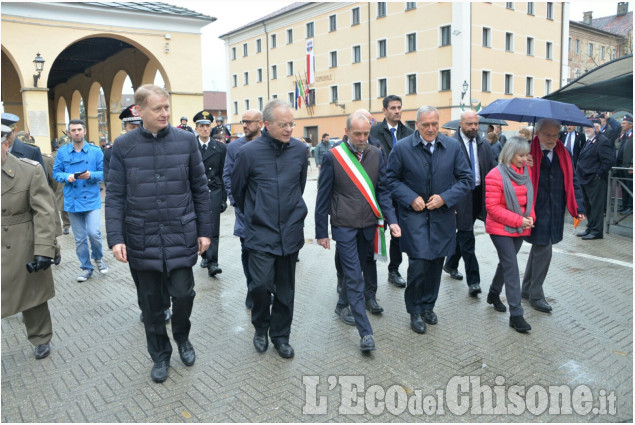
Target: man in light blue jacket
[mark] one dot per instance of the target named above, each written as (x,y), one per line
(80,166)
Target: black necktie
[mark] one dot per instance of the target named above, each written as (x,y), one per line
(428,147)
(204,147)
(545,155)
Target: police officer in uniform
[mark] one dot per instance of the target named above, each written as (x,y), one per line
(28,210)
(131,121)
(213,153)
(184,125)
(18,148)
(221,130)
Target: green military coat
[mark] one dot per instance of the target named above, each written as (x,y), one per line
(28,229)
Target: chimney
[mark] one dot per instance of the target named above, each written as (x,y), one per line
(588,17)
(622,8)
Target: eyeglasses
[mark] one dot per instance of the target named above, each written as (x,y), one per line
(247,122)
(285,124)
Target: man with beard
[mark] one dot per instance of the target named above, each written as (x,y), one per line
(479,156)
(252,124)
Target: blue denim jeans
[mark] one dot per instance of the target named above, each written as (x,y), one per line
(85,226)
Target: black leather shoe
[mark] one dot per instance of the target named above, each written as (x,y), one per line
(519,324)
(396,279)
(541,305)
(417,324)
(284,349)
(167,315)
(261,342)
(474,289)
(367,344)
(626,211)
(204,263)
(586,232)
(186,351)
(345,315)
(430,317)
(495,300)
(373,307)
(159,372)
(65,231)
(213,270)
(42,351)
(591,236)
(454,273)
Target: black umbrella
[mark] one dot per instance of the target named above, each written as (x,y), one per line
(454,124)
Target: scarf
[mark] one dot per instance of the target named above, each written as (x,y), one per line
(565,166)
(511,200)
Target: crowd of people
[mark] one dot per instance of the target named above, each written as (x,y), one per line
(167,186)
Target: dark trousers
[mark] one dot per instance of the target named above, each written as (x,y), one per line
(507,271)
(244,259)
(465,243)
(353,253)
(66,222)
(179,284)
(369,271)
(627,199)
(37,320)
(536,271)
(212,252)
(272,274)
(594,194)
(135,279)
(424,278)
(394,252)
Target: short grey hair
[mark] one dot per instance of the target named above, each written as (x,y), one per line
(514,145)
(267,112)
(356,116)
(426,109)
(547,122)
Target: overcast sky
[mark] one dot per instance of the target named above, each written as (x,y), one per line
(234,14)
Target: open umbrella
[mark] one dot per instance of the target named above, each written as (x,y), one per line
(454,124)
(531,110)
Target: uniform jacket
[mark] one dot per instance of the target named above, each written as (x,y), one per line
(381,133)
(157,200)
(22,150)
(221,128)
(413,172)
(578,143)
(611,130)
(267,184)
(28,229)
(551,203)
(214,161)
(498,215)
(625,152)
(339,197)
(596,159)
(82,195)
(230,159)
(464,214)
(107,155)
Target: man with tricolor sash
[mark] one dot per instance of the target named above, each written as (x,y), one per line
(353,190)
(428,176)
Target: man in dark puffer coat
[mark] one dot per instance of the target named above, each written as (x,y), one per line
(157,218)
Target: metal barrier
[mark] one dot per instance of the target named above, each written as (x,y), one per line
(617,179)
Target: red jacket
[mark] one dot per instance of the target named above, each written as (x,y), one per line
(498,216)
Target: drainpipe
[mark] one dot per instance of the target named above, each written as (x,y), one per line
(264,25)
(369,62)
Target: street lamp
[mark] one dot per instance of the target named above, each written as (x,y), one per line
(465,86)
(39,66)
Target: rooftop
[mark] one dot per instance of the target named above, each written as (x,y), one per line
(619,25)
(286,9)
(154,7)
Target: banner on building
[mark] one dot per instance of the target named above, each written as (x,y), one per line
(310,62)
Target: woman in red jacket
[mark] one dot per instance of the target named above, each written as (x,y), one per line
(510,216)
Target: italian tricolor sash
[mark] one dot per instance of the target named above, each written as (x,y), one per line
(360,178)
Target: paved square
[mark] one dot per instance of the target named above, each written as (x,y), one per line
(98,370)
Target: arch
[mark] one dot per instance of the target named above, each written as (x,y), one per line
(60,116)
(96,113)
(11,80)
(76,101)
(114,103)
(150,72)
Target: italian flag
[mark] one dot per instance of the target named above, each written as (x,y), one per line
(358,175)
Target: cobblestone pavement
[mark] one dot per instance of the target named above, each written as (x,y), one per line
(98,370)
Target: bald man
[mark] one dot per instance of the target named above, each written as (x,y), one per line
(479,156)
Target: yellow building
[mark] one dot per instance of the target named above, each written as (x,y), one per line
(85,49)
(449,55)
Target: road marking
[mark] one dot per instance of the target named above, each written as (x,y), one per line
(593,257)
